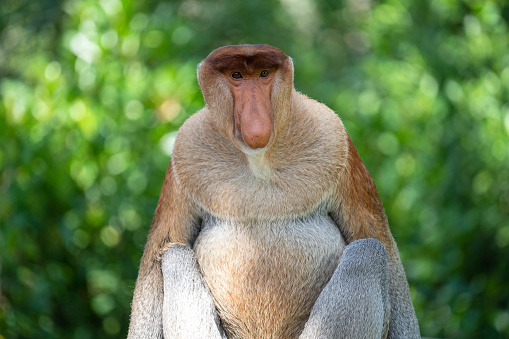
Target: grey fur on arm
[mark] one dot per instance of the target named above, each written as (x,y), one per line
(188,308)
(355,302)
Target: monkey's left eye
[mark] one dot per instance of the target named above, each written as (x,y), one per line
(236,75)
(264,74)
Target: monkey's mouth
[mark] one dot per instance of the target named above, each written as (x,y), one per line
(244,147)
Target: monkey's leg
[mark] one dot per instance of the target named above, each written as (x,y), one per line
(355,302)
(188,308)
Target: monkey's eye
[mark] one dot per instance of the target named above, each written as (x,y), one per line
(237,75)
(264,74)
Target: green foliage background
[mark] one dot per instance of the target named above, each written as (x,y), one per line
(93,92)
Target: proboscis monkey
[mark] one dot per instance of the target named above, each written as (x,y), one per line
(268,224)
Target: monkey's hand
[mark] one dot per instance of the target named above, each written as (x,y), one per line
(188,310)
(355,302)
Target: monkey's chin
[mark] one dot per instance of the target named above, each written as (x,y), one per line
(248,150)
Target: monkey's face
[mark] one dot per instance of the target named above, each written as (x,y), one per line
(244,85)
(252,109)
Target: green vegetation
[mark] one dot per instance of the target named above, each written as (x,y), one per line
(93,92)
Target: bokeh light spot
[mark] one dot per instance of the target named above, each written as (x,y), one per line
(167,142)
(153,39)
(388,143)
(108,186)
(102,304)
(53,71)
(109,39)
(134,110)
(168,110)
(181,35)
(81,238)
(111,325)
(110,236)
(118,163)
(78,110)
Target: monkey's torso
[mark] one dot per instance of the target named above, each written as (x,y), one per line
(266,246)
(266,276)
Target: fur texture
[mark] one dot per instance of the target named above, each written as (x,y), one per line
(355,302)
(188,305)
(266,275)
(269,225)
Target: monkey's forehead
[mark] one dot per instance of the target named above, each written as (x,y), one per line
(246,57)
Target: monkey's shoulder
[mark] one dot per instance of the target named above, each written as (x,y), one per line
(309,111)
(317,132)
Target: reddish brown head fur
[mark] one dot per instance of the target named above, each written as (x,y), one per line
(247,57)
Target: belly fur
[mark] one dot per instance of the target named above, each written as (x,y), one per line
(265,276)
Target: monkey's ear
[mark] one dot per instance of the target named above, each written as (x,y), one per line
(215,88)
(286,71)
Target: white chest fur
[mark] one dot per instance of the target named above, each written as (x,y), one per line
(272,269)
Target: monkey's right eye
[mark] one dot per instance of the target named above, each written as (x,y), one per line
(237,75)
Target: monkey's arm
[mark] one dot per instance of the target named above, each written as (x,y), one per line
(174,222)
(188,311)
(360,214)
(354,303)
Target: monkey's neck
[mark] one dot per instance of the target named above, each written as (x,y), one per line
(259,165)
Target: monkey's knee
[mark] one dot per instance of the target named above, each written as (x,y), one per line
(179,265)
(177,254)
(354,304)
(365,257)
